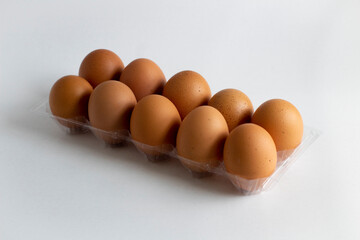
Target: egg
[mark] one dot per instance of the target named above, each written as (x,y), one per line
(187,90)
(69,98)
(101,65)
(110,107)
(234,105)
(250,152)
(154,124)
(201,139)
(144,77)
(282,120)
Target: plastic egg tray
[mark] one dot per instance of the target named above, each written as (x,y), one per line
(160,153)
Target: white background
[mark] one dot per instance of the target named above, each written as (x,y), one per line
(57,186)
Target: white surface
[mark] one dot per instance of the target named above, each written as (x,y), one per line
(56,186)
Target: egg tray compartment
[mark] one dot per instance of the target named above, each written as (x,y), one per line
(165,152)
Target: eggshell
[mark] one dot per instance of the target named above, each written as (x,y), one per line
(154,122)
(187,90)
(250,152)
(144,77)
(101,65)
(282,120)
(110,107)
(201,139)
(234,105)
(69,98)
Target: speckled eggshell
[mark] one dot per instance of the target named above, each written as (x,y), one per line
(250,152)
(234,105)
(201,139)
(110,107)
(154,123)
(69,98)
(144,77)
(187,90)
(282,120)
(101,65)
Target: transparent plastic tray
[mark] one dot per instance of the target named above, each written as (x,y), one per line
(159,153)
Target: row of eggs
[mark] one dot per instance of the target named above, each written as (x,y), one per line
(204,129)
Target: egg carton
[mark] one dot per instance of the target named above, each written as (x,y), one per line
(160,153)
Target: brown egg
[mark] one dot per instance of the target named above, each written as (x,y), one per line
(201,139)
(234,105)
(69,98)
(144,77)
(250,152)
(101,65)
(110,107)
(187,90)
(154,122)
(250,157)
(282,120)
